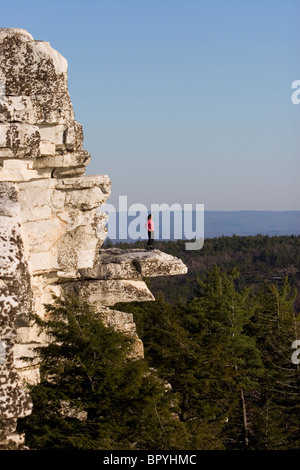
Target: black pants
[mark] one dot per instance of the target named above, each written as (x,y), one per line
(150,238)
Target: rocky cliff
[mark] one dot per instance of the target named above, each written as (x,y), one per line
(51,227)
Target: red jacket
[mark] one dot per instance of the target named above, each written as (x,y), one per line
(150,225)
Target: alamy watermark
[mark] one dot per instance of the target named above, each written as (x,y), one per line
(296,354)
(296,94)
(296,100)
(171,222)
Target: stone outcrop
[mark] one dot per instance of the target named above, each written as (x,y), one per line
(114,263)
(123,322)
(16,301)
(52,228)
(117,275)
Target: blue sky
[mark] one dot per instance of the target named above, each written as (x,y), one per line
(182,101)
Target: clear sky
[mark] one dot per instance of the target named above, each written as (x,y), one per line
(182,101)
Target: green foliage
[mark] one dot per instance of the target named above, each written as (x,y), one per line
(224,353)
(276,326)
(257,258)
(217,372)
(86,369)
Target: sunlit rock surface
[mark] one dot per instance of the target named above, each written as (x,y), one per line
(52,228)
(15,303)
(114,263)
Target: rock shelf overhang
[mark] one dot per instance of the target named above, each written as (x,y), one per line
(115,263)
(51,227)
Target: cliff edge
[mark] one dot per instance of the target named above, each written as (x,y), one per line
(51,227)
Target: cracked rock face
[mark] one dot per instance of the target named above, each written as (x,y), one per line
(37,122)
(50,223)
(41,154)
(51,227)
(15,303)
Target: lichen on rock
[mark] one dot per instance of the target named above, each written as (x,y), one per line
(15,304)
(52,229)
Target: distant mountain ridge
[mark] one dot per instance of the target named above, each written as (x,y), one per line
(226,223)
(218,223)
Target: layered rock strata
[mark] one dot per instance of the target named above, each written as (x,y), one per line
(16,301)
(51,227)
(118,275)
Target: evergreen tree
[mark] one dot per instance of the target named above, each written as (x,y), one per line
(276,327)
(92,395)
(232,364)
(174,353)
(202,349)
(220,376)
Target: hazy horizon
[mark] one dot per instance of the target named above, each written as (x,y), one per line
(173,225)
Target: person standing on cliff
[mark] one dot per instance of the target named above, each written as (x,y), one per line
(150,227)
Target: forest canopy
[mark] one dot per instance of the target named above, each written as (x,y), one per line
(217,373)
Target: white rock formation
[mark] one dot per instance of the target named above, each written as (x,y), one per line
(117,275)
(15,303)
(52,228)
(114,263)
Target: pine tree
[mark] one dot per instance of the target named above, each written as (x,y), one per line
(203,350)
(232,365)
(91,394)
(276,327)
(173,352)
